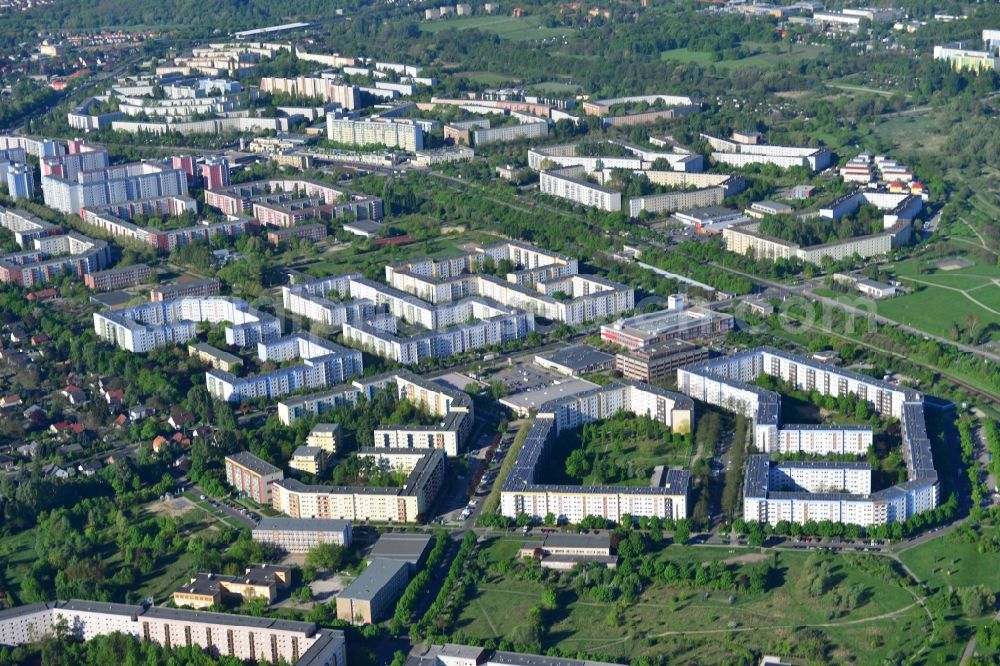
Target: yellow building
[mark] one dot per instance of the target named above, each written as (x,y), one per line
(326,436)
(209,589)
(308,459)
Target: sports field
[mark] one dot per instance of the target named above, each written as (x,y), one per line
(523,29)
(712,626)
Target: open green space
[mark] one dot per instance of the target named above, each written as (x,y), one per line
(518,29)
(555,87)
(763,58)
(797,610)
(913,132)
(952,560)
(487,78)
(965,297)
(372,262)
(620,451)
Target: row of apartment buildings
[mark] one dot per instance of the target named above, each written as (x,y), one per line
(539,276)
(256,639)
(51,256)
(768,495)
(453,408)
(740,154)
(665,497)
(285,202)
(901,210)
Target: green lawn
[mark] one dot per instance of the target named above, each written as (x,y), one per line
(935,304)
(527,28)
(373,261)
(945,562)
(915,132)
(679,624)
(487,78)
(763,57)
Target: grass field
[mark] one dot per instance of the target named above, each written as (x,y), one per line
(943,297)
(372,262)
(913,133)
(764,58)
(524,29)
(678,624)
(488,78)
(555,88)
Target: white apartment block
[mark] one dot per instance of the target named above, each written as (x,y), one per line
(564,155)
(346,95)
(245,638)
(570,183)
(487,326)
(742,154)
(324,364)
(822,440)
(525,130)
(725,382)
(82,187)
(541,274)
(665,497)
(144,327)
(388,133)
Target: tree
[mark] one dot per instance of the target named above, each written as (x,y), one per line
(326,556)
(577,465)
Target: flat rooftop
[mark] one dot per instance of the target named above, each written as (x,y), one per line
(375,577)
(403,546)
(557,390)
(578,358)
(303,525)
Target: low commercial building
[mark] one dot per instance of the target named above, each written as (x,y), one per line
(371,595)
(467,655)
(300,535)
(118,278)
(575,360)
(241,637)
(759,209)
(712,219)
(653,328)
(658,362)
(251,476)
(409,547)
(872,288)
(565,551)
